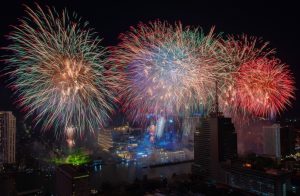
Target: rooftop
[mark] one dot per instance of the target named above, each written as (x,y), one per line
(72,171)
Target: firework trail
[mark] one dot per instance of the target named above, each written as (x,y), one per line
(168,69)
(58,71)
(236,50)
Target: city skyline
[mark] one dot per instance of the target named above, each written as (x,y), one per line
(149,98)
(233,27)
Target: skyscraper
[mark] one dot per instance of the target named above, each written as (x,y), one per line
(202,148)
(271,141)
(215,143)
(7,137)
(288,136)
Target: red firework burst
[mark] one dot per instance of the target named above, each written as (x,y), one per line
(263,87)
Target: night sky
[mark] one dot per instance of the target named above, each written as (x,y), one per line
(274,22)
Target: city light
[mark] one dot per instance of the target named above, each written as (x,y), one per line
(78,157)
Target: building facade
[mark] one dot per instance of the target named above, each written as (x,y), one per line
(288,137)
(271,141)
(105,140)
(268,183)
(7,137)
(71,180)
(215,143)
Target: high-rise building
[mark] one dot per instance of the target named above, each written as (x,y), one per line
(287,140)
(7,137)
(71,180)
(202,148)
(215,142)
(227,139)
(271,141)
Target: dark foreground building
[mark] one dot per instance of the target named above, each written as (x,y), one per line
(215,144)
(269,182)
(7,137)
(288,136)
(71,180)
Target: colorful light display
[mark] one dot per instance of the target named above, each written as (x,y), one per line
(167,68)
(62,78)
(58,71)
(78,157)
(264,87)
(255,83)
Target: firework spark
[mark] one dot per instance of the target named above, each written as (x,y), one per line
(236,50)
(167,68)
(58,71)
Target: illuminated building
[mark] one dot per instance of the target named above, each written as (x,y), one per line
(7,137)
(71,180)
(124,154)
(135,144)
(271,141)
(215,142)
(176,156)
(124,128)
(105,140)
(164,156)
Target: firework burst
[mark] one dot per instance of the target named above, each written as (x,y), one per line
(58,71)
(264,87)
(167,68)
(233,52)
(236,50)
